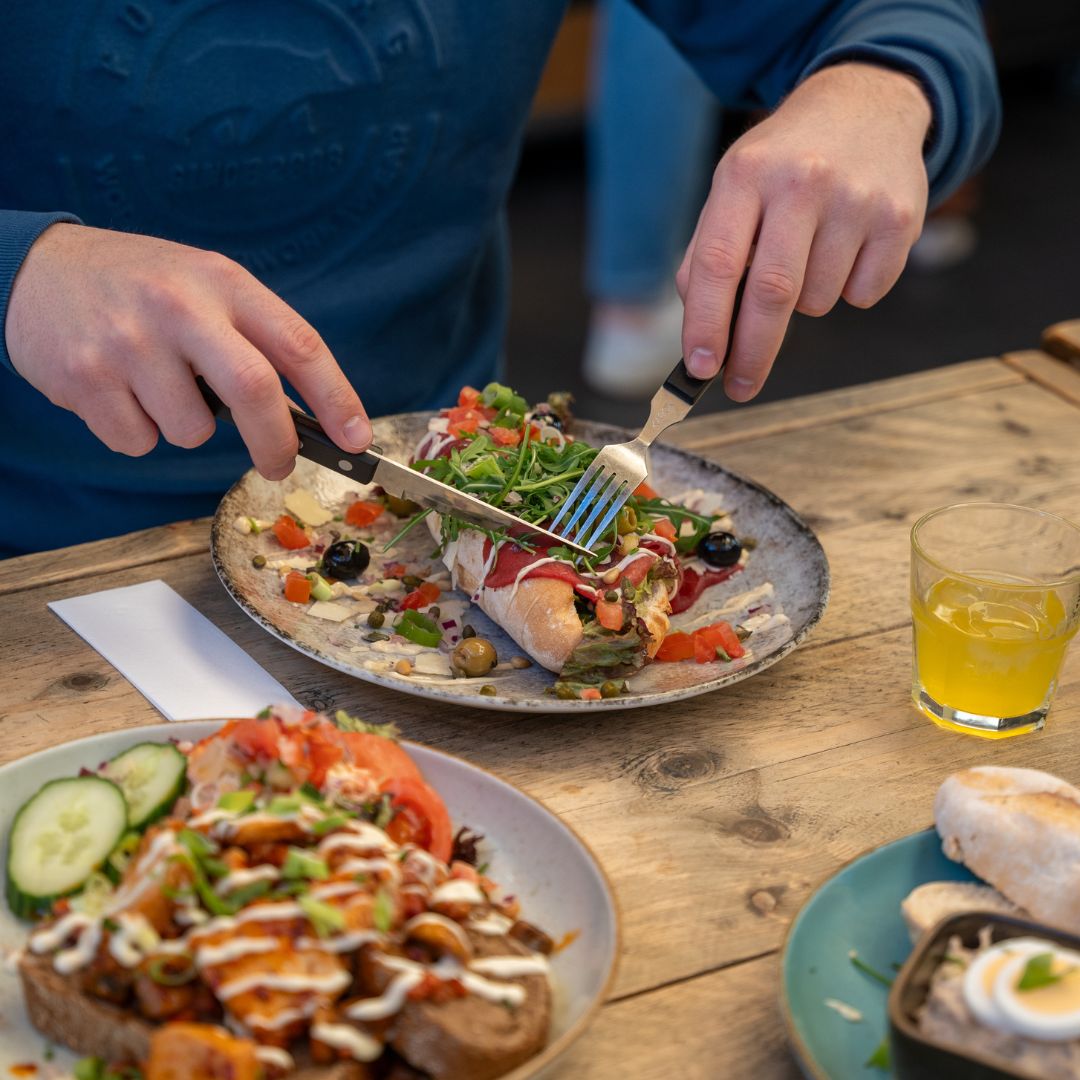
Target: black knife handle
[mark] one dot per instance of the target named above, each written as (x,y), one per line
(315,444)
(681,383)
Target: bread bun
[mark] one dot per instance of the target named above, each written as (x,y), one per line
(923,908)
(1019,830)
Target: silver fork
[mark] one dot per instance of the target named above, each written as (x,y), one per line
(619,468)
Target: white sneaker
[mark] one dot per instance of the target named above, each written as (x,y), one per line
(630,350)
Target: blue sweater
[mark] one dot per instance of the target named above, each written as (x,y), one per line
(356,156)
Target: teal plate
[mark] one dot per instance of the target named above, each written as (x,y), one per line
(857,908)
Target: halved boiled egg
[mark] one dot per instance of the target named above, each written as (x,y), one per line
(981,977)
(1049,1013)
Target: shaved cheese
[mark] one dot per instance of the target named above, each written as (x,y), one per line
(327,609)
(303,505)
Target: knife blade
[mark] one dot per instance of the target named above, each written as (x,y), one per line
(374,467)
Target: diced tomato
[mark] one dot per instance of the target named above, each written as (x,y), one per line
(463,421)
(363,513)
(676,646)
(704,650)
(323,755)
(663,527)
(502,436)
(590,693)
(381,756)
(256,739)
(609,614)
(395,569)
(720,635)
(421,817)
(289,534)
(297,587)
(643,491)
(462,871)
(422,596)
(469,398)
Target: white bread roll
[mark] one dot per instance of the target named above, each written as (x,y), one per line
(1018,829)
(923,908)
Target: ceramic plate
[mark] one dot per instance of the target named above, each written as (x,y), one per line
(788,566)
(858,908)
(561,886)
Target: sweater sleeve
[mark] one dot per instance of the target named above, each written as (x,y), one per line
(740,52)
(18,231)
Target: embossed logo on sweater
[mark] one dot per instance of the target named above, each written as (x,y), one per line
(289,124)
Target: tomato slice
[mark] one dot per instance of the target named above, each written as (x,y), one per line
(381,756)
(502,436)
(704,649)
(720,635)
(363,513)
(590,693)
(663,527)
(422,596)
(643,491)
(676,646)
(421,817)
(257,740)
(297,587)
(609,614)
(289,534)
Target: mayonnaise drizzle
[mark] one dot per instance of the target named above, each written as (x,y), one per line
(458,891)
(511,967)
(274,1055)
(227,951)
(391,999)
(81,953)
(358,1044)
(238,878)
(290,983)
(493,924)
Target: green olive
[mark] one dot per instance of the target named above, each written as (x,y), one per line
(567,693)
(473,657)
(611,596)
(488,690)
(626,522)
(401,508)
(259,562)
(609,689)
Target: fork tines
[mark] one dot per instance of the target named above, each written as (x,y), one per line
(598,493)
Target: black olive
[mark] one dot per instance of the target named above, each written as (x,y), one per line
(346,559)
(720,549)
(552,419)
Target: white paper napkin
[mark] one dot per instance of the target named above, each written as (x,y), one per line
(179,660)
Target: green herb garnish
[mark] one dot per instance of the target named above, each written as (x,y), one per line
(1039,971)
(354,723)
(301,864)
(866,969)
(881,1058)
(325,919)
(383,911)
(237,802)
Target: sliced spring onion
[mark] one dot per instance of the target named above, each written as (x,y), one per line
(324,918)
(237,802)
(418,628)
(304,864)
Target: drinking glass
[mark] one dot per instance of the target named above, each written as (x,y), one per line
(995,601)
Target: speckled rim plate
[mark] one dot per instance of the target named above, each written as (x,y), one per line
(533,852)
(788,555)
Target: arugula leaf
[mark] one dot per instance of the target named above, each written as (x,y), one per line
(603,654)
(859,963)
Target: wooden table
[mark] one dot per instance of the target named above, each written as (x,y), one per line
(715,817)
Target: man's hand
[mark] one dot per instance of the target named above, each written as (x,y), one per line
(115,327)
(830,193)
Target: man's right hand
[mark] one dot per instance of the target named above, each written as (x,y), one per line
(115,327)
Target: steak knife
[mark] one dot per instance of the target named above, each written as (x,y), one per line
(373,467)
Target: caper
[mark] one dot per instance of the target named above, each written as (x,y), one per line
(467,631)
(401,507)
(609,689)
(411,581)
(259,561)
(567,693)
(626,522)
(473,657)
(611,596)
(487,690)
(376,619)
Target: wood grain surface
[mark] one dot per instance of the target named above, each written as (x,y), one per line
(717,817)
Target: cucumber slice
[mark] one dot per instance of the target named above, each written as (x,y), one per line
(151,776)
(59,838)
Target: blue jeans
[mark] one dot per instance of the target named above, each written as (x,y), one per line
(651,136)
